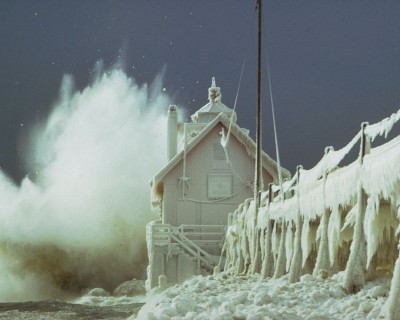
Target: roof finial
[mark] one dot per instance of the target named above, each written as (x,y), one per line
(213,82)
(214,92)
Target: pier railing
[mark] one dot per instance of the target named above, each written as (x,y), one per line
(327,219)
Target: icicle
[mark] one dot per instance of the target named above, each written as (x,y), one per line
(318,232)
(275,241)
(350,218)
(372,230)
(262,244)
(334,234)
(243,256)
(305,241)
(289,245)
(280,265)
(256,262)
(392,304)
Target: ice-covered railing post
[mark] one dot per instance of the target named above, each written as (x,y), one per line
(242,237)
(392,303)
(354,276)
(281,260)
(295,266)
(232,239)
(268,259)
(244,255)
(256,263)
(323,262)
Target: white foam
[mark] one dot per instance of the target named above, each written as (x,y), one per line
(81,223)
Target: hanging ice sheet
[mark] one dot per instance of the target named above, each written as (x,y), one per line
(381,169)
(383,127)
(286,209)
(286,185)
(311,199)
(328,162)
(341,186)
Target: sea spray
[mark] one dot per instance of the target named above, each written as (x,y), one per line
(81,222)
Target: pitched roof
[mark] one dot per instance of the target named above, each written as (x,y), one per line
(242,135)
(214,107)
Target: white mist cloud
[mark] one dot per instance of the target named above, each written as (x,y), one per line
(82,222)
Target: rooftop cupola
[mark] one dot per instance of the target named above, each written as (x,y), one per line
(214,107)
(214,92)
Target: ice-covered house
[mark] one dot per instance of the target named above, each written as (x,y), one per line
(198,187)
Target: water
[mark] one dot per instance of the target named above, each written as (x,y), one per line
(77,221)
(57,310)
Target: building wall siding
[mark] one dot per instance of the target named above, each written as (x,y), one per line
(197,207)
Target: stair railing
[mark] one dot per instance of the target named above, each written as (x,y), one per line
(165,234)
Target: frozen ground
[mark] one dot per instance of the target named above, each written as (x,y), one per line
(223,297)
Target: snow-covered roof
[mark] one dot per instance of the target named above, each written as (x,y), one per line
(214,106)
(241,134)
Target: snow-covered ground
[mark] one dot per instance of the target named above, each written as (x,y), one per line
(223,297)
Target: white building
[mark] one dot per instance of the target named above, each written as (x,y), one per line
(199,186)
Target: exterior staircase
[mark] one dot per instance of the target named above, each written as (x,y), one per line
(202,243)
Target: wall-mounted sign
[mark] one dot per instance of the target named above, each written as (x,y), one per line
(219,186)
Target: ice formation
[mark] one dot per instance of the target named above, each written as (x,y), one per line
(328,219)
(323,245)
(220,296)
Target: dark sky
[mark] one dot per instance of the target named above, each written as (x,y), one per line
(334,64)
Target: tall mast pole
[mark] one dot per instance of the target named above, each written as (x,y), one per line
(257,178)
(257,182)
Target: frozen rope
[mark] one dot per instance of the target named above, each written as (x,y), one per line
(211,201)
(329,161)
(227,158)
(274,122)
(225,139)
(184,179)
(224,142)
